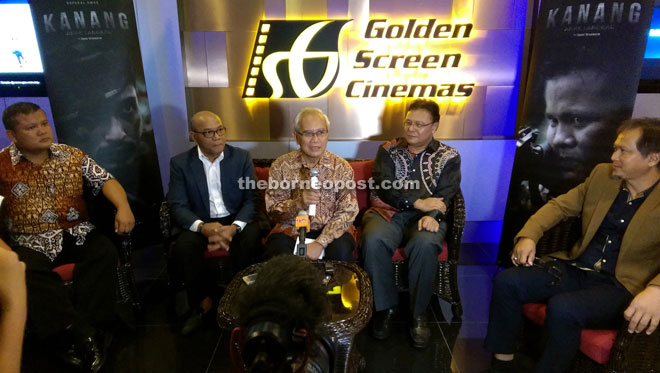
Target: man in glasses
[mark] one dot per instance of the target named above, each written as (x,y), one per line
(409,215)
(290,191)
(613,270)
(210,210)
(581,108)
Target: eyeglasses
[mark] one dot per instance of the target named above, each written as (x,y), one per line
(211,133)
(417,125)
(310,134)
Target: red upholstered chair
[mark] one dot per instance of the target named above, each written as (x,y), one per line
(66,272)
(102,214)
(126,288)
(600,350)
(595,344)
(446,282)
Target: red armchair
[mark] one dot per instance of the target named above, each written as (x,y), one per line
(600,350)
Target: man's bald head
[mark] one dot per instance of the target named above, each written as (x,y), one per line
(207,131)
(203,117)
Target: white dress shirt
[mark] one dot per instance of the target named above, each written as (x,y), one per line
(217,206)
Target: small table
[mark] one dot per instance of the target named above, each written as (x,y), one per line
(350,305)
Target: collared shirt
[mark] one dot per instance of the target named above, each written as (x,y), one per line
(338,205)
(602,252)
(217,207)
(435,172)
(42,201)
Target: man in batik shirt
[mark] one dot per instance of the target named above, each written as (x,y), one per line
(335,200)
(47,224)
(410,215)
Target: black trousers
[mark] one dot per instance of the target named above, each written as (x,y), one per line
(50,309)
(339,249)
(579,299)
(187,258)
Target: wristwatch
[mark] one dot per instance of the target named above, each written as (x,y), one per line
(238,227)
(200,227)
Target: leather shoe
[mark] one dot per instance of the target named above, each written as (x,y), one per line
(71,357)
(93,354)
(420,332)
(193,323)
(381,324)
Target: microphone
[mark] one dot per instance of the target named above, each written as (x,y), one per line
(314,182)
(302,225)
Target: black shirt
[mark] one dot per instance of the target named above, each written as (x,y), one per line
(436,172)
(602,252)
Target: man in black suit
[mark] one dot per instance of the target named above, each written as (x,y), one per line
(211,210)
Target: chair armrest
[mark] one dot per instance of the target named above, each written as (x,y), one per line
(455,226)
(561,237)
(635,352)
(165,220)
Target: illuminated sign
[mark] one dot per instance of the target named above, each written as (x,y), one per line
(300,59)
(310,50)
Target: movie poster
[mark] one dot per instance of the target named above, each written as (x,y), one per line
(95,82)
(584,72)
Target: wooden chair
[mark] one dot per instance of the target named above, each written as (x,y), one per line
(600,350)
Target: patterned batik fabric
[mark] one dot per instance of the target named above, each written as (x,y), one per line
(43,201)
(338,207)
(435,171)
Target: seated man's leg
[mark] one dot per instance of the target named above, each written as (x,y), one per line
(94,276)
(279,244)
(378,241)
(246,247)
(511,289)
(49,308)
(51,313)
(598,306)
(188,258)
(341,249)
(422,249)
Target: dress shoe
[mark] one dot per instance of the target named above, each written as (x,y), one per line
(71,357)
(93,354)
(381,324)
(420,332)
(193,323)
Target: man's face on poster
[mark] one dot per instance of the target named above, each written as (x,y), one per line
(114,133)
(123,118)
(577,133)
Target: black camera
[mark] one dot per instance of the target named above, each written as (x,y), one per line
(280,314)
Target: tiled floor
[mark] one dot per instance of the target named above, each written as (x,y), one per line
(152,345)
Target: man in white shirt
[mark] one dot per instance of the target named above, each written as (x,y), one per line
(211,210)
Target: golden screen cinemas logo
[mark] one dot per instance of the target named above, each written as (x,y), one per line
(310,50)
(300,59)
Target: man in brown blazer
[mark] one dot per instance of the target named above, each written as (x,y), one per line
(613,270)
